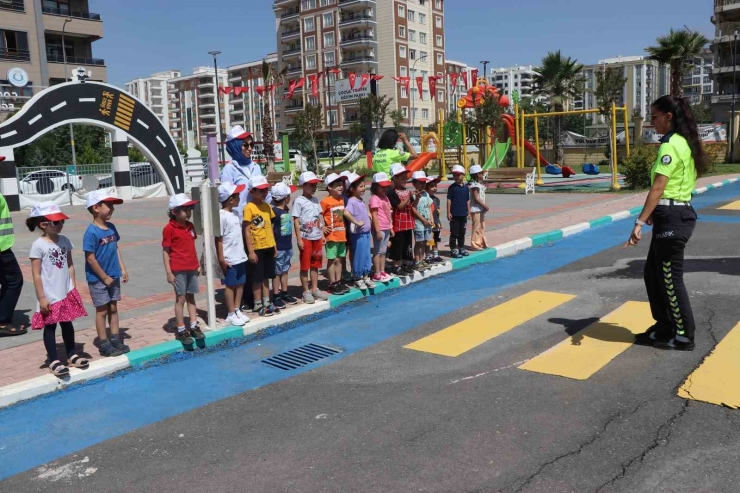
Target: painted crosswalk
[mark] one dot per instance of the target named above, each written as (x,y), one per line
(732,206)
(470,333)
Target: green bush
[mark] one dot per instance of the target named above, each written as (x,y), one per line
(636,168)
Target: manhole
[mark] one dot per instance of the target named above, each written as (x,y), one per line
(301,356)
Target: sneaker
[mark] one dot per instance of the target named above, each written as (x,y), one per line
(320,295)
(360,284)
(676,344)
(184,337)
(369,282)
(408,270)
(288,298)
(395,272)
(106,349)
(116,343)
(257,308)
(279,303)
(338,288)
(438,260)
(425,265)
(386,277)
(650,336)
(197,333)
(235,319)
(456,254)
(308,298)
(379,277)
(419,267)
(464,252)
(267,311)
(242,316)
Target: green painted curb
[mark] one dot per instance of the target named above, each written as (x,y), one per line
(600,221)
(141,356)
(556,235)
(636,210)
(338,300)
(540,239)
(213,337)
(474,258)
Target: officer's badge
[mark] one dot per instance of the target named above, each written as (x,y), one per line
(667,159)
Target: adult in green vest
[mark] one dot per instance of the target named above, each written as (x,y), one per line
(387,154)
(11,278)
(681,159)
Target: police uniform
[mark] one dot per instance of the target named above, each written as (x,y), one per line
(674,220)
(11,278)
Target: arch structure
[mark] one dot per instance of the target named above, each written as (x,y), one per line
(93,103)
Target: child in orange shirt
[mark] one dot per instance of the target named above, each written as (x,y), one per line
(332,208)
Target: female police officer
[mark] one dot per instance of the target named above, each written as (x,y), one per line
(668,208)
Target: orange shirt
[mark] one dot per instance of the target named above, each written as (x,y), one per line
(333,212)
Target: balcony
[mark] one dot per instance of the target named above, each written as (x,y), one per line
(352,60)
(356,19)
(208,105)
(724,98)
(16,5)
(295,69)
(206,84)
(70,13)
(206,94)
(56,68)
(75,60)
(352,3)
(293,107)
(292,33)
(292,51)
(359,39)
(83,24)
(207,115)
(15,55)
(725,5)
(290,14)
(237,111)
(207,125)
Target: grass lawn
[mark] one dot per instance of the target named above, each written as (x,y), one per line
(724,169)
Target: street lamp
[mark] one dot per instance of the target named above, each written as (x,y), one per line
(215,54)
(485,66)
(413,71)
(71,129)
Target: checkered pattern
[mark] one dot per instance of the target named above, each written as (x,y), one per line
(403,220)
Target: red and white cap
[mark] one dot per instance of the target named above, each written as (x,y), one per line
(181,200)
(382,179)
(332,178)
(419,176)
(397,169)
(98,196)
(259,182)
(353,177)
(227,189)
(475,169)
(281,190)
(49,210)
(308,177)
(458,170)
(237,132)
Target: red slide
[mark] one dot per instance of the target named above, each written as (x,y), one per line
(509,122)
(420,162)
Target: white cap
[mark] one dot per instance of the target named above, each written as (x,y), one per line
(457,169)
(381,179)
(331,179)
(475,169)
(308,177)
(98,196)
(433,178)
(419,176)
(181,200)
(280,190)
(49,210)
(237,132)
(259,182)
(397,169)
(227,189)
(353,177)
(346,174)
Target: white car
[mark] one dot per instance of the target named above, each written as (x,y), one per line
(47,181)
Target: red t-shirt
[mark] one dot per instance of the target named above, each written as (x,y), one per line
(181,241)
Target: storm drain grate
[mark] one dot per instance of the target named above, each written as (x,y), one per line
(301,356)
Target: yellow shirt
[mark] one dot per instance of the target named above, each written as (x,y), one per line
(675,162)
(260,218)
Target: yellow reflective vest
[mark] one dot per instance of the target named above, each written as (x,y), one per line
(7,236)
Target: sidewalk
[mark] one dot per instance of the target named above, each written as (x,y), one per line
(150,322)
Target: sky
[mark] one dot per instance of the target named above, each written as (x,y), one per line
(147,36)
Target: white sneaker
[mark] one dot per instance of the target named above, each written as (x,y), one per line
(360,284)
(369,282)
(241,315)
(320,295)
(234,319)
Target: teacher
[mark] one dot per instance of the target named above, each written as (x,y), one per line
(241,169)
(387,154)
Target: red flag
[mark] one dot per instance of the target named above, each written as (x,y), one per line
(364,79)
(260,90)
(433,86)
(335,70)
(453,80)
(379,77)
(420,84)
(314,79)
(352,79)
(270,88)
(474,76)
(239,90)
(225,90)
(397,79)
(291,89)
(301,82)
(406,81)
(465,79)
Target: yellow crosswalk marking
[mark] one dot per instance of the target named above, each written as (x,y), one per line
(716,380)
(591,349)
(732,206)
(464,336)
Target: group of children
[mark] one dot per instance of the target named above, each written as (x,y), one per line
(400,223)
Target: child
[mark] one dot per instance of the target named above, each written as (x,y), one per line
(181,264)
(382,218)
(282,229)
(403,202)
(423,224)
(434,257)
(104,270)
(54,280)
(230,251)
(458,210)
(332,208)
(258,216)
(359,234)
(478,208)
(347,277)
(309,236)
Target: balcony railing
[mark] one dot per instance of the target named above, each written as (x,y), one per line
(349,19)
(292,32)
(70,13)
(292,51)
(726,3)
(75,60)
(16,5)
(18,55)
(290,13)
(345,2)
(359,59)
(357,38)
(294,69)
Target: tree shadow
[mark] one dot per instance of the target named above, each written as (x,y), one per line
(602,331)
(721,265)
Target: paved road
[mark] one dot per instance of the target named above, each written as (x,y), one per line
(383,418)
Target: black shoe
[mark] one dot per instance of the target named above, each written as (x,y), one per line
(116,343)
(408,270)
(288,298)
(106,349)
(651,336)
(675,345)
(184,337)
(396,271)
(196,332)
(279,303)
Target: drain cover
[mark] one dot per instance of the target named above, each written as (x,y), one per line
(301,356)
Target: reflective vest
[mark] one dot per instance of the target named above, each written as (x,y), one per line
(7,237)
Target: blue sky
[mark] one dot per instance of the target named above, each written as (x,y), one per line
(146,36)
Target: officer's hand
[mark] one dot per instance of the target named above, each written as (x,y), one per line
(635,237)
(649,221)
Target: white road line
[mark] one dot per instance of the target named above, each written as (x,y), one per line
(142,124)
(9,134)
(34,119)
(87,100)
(59,106)
(161,141)
(177,182)
(172,160)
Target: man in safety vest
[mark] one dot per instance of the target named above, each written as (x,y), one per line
(11,278)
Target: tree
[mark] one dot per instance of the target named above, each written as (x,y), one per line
(559,79)
(272,77)
(488,114)
(702,113)
(88,156)
(54,148)
(181,148)
(374,111)
(609,88)
(308,124)
(135,155)
(357,130)
(397,119)
(676,49)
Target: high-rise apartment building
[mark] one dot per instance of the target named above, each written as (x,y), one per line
(726,20)
(519,79)
(31,44)
(459,90)
(152,91)
(246,108)
(401,38)
(697,82)
(192,108)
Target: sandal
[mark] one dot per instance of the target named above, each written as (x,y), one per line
(78,362)
(10,331)
(58,369)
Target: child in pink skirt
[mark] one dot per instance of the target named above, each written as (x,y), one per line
(54,281)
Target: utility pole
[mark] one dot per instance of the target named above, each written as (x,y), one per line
(66,78)
(219,131)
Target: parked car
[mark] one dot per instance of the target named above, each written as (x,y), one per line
(46,181)
(142,175)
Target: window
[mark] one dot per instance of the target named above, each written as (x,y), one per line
(401,11)
(60,7)
(277,125)
(438,22)
(328,40)
(413,113)
(424,72)
(308,4)
(412,35)
(439,40)
(14,45)
(404,71)
(402,51)
(404,92)
(328,19)
(423,55)
(425,113)
(411,16)
(440,96)
(310,43)
(329,59)
(422,18)
(412,54)
(440,59)
(423,38)
(313,101)
(405,111)
(331,79)
(324,3)
(308,24)
(402,31)
(438,4)
(332,117)
(311,62)
(422,2)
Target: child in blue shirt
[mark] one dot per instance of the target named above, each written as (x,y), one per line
(458,211)
(282,227)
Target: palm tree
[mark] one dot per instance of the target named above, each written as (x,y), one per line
(559,79)
(676,49)
(271,76)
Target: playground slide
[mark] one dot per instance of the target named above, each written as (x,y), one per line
(420,162)
(502,148)
(352,156)
(509,122)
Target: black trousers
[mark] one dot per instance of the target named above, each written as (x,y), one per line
(457,232)
(11,283)
(68,336)
(402,247)
(669,300)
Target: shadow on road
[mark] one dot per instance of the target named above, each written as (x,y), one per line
(598,330)
(723,265)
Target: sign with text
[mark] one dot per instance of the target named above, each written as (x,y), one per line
(345,94)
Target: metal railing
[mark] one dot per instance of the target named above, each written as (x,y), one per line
(71,13)
(75,60)
(290,13)
(12,54)
(355,18)
(16,5)
(725,3)
(292,32)
(359,37)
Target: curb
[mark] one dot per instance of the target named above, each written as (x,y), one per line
(29,389)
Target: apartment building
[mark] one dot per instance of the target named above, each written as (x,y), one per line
(697,82)
(519,79)
(193,113)
(246,109)
(152,91)
(400,38)
(454,93)
(31,34)
(726,20)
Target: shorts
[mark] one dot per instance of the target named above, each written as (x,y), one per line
(423,235)
(312,255)
(102,295)
(264,268)
(186,282)
(236,275)
(282,261)
(335,249)
(380,247)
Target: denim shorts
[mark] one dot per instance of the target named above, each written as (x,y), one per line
(186,282)
(236,275)
(102,295)
(423,234)
(282,261)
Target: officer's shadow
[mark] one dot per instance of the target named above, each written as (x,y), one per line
(602,331)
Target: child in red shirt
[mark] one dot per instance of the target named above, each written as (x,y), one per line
(181,264)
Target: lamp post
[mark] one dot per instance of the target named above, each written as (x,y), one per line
(218,103)
(485,66)
(413,71)
(71,128)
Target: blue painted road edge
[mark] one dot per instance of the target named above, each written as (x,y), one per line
(35,387)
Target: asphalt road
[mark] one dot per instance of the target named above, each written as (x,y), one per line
(389,419)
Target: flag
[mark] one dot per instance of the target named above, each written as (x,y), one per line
(352,79)
(406,81)
(420,85)
(397,79)
(314,79)
(453,80)
(379,77)
(465,79)
(260,90)
(239,90)
(433,86)
(291,89)
(474,76)
(225,90)
(365,78)
(301,82)
(335,71)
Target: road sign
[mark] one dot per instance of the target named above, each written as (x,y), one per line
(344,94)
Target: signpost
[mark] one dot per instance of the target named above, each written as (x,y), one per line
(345,94)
